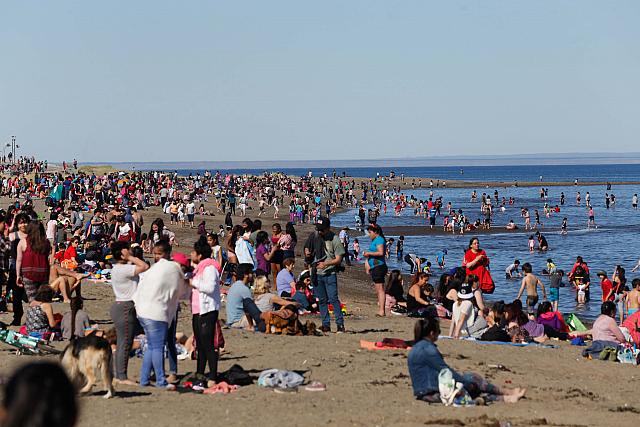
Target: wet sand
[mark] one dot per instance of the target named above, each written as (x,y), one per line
(364,388)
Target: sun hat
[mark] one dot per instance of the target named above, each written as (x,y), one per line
(181,259)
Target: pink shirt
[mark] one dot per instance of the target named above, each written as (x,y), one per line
(606,329)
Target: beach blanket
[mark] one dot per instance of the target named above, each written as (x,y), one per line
(512,344)
(386,344)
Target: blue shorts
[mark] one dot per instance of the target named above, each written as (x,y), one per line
(554,294)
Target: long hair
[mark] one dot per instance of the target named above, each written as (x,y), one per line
(419,275)
(424,327)
(290,230)
(233,237)
(37,238)
(394,277)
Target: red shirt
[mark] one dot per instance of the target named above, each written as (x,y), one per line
(70,253)
(606,286)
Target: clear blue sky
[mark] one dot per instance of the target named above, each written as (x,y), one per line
(262,80)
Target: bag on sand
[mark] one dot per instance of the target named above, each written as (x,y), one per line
(452,393)
(574,323)
(280,379)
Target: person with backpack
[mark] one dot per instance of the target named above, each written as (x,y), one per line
(324,252)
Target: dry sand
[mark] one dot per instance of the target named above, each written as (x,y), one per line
(364,388)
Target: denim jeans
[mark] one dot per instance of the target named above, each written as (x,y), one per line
(326,291)
(156,333)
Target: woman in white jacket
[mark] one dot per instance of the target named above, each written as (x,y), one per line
(205,305)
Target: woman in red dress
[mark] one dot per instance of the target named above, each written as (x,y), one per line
(476,262)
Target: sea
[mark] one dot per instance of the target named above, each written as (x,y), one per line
(505,173)
(615,241)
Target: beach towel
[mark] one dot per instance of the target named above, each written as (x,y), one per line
(386,344)
(512,344)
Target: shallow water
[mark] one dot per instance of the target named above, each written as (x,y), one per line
(613,242)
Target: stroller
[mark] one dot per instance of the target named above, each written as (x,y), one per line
(27,344)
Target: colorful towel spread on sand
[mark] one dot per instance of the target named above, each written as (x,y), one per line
(385,344)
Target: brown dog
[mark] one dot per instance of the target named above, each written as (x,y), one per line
(85,356)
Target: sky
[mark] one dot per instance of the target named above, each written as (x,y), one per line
(288,80)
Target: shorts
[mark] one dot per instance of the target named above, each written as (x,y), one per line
(378,274)
(554,294)
(190,217)
(531,302)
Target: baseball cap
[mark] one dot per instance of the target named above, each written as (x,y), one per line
(181,259)
(323,223)
(466,291)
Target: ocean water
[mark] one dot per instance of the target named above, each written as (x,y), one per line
(507,173)
(614,242)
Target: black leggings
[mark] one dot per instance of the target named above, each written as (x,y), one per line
(553,333)
(204,329)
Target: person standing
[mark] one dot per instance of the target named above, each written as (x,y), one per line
(324,252)
(344,238)
(476,262)
(32,262)
(156,302)
(376,265)
(205,305)
(124,282)
(20,223)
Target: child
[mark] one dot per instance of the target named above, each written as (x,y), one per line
(400,248)
(440,258)
(564,226)
(82,321)
(530,281)
(356,249)
(531,244)
(554,288)
(581,286)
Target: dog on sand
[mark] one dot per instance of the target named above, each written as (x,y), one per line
(84,357)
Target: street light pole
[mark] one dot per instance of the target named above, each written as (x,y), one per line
(13,148)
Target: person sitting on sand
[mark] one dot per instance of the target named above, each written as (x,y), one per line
(425,363)
(554,325)
(465,312)
(605,329)
(394,291)
(511,225)
(40,318)
(418,296)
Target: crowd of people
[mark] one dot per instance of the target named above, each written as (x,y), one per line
(94,226)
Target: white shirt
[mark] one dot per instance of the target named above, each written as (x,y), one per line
(465,307)
(124,281)
(208,284)
(159,290)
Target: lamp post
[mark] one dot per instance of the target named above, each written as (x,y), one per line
(13,148)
